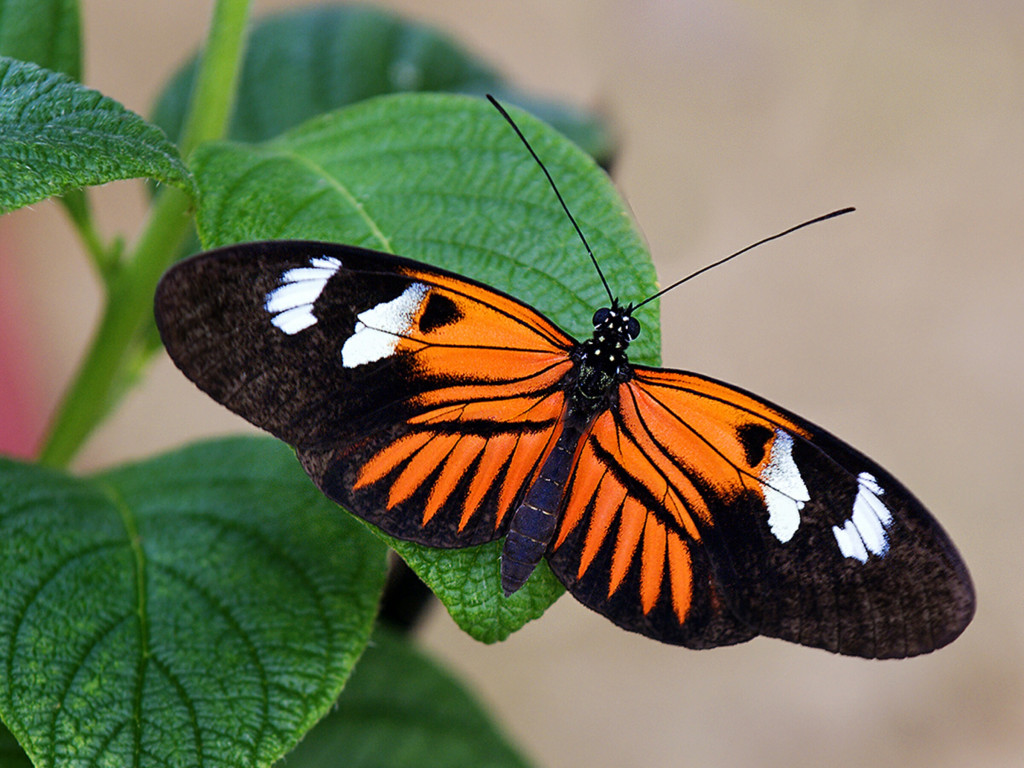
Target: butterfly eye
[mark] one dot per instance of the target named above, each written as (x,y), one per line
(601,316)
(633,328)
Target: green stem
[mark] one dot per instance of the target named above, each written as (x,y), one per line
(107,367)
(217,80)
(104,257)
(93,393)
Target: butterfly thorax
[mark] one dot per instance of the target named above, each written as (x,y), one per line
(601,360)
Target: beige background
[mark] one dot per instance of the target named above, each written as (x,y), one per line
(899,328)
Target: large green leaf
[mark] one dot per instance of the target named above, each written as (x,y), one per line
(203,608)
(443,179)
(399,710)
(57,135)
(45,32)
(468,584)
(304,62)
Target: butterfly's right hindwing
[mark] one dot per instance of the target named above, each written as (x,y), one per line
(420,400)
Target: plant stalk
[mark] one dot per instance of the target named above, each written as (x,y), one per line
(104,374)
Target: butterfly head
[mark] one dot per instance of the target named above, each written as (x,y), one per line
(617,322)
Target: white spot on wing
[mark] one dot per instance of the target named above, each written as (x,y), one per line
(784,490)
(291,303)
(865,532)
(379,329)
(850,542)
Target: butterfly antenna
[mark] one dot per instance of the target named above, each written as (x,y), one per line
(558,194)
(718,263)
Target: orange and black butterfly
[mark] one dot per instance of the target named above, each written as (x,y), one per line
(451,414)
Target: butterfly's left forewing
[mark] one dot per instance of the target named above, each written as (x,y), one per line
(699,514)
(420,400)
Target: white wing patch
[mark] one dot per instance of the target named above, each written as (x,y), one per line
(785,492)
(865,532)
(291,303)
(379,329)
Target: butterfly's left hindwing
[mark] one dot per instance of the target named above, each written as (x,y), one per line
(699,514)
(418,399)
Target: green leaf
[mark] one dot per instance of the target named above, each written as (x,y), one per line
(48,33)
(302,63)
(399,710)
(45,32)
(443,179)
(468,583)
(56,135)
(203,608)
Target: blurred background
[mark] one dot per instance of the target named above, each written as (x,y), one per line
(899,328)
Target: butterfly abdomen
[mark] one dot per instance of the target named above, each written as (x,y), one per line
(536,518)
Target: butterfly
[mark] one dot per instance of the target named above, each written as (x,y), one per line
(449,413)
